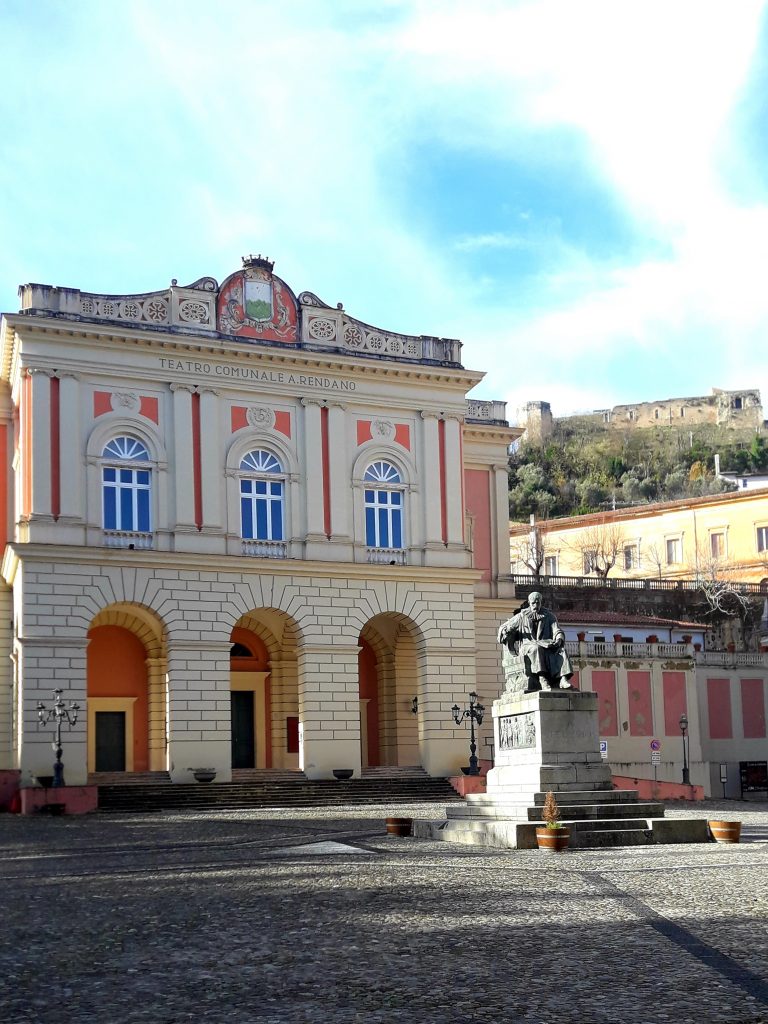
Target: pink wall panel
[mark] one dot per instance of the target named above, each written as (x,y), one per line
(478,497)
(574,681)
(604,685)
(719,707)
(675,703)
(753,708)
(640,704)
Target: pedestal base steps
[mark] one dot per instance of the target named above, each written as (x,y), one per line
(550,741)
(618,819)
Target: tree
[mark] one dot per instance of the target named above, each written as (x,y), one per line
(655,554)
(599,547)
(716,577)
(530,551)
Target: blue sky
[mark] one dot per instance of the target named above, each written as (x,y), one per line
(577,190)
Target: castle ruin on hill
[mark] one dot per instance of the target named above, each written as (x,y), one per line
(738,409)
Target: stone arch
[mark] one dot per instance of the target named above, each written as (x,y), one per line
(273,684)
(394,640)
(126,685)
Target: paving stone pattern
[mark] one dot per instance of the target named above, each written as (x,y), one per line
(316,915)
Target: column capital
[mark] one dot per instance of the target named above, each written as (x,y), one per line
(182,387)
(427,414)
(33,371)
(204,389)
(307,402)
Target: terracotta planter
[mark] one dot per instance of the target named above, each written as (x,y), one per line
(581,637)
(652,639)
(725,831)
(399,826)
(553,839)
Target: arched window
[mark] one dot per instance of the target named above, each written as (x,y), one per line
(383,506)
(126,486)
(262,497)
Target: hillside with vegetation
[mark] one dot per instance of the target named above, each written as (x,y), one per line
(587,467)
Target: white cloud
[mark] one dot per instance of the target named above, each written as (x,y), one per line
(291,129)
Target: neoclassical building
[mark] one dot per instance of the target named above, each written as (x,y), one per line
(243,530)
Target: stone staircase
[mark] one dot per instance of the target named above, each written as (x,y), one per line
(595,819)
(266,788)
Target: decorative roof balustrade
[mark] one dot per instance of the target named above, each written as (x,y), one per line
(487,411)
(252,305)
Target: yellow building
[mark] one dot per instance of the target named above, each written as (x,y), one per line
(719,536)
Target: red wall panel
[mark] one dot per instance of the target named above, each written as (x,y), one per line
(753,708)
(604,685)
(675,702)
(719,707)
(478,498)
(640,703)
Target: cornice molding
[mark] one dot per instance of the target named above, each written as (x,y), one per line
(15,554)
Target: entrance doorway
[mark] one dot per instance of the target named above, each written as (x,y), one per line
(243,729)
(110,741)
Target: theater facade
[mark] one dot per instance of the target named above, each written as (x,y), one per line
(243,530)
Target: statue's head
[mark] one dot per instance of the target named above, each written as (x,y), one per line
(534,600)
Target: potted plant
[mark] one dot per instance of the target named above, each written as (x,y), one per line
(581,637)
(553,835)
(725,831)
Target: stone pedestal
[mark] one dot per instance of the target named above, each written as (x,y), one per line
(549,741)
(546,740)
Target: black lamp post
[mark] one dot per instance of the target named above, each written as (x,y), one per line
(58,713)
(474,713)
(684,731)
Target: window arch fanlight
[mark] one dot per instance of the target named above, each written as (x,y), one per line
(126,486)
(262,496)
(383,473)
(384,501)
(126,448)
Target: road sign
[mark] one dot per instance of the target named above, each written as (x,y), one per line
(655,744)
(655,757)
(604,749)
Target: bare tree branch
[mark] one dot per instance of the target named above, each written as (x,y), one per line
(716,576)
(599,547)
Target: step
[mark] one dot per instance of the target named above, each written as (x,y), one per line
(295,792)
(567,797)
(590,839)
(574,812)
(508,834)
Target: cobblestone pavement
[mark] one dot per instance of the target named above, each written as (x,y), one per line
(318,916)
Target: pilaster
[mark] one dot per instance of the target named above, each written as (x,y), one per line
(157,671)
(183,458)
(433,536)
(329,708)
(40,461)
(199,708)
(313,460)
